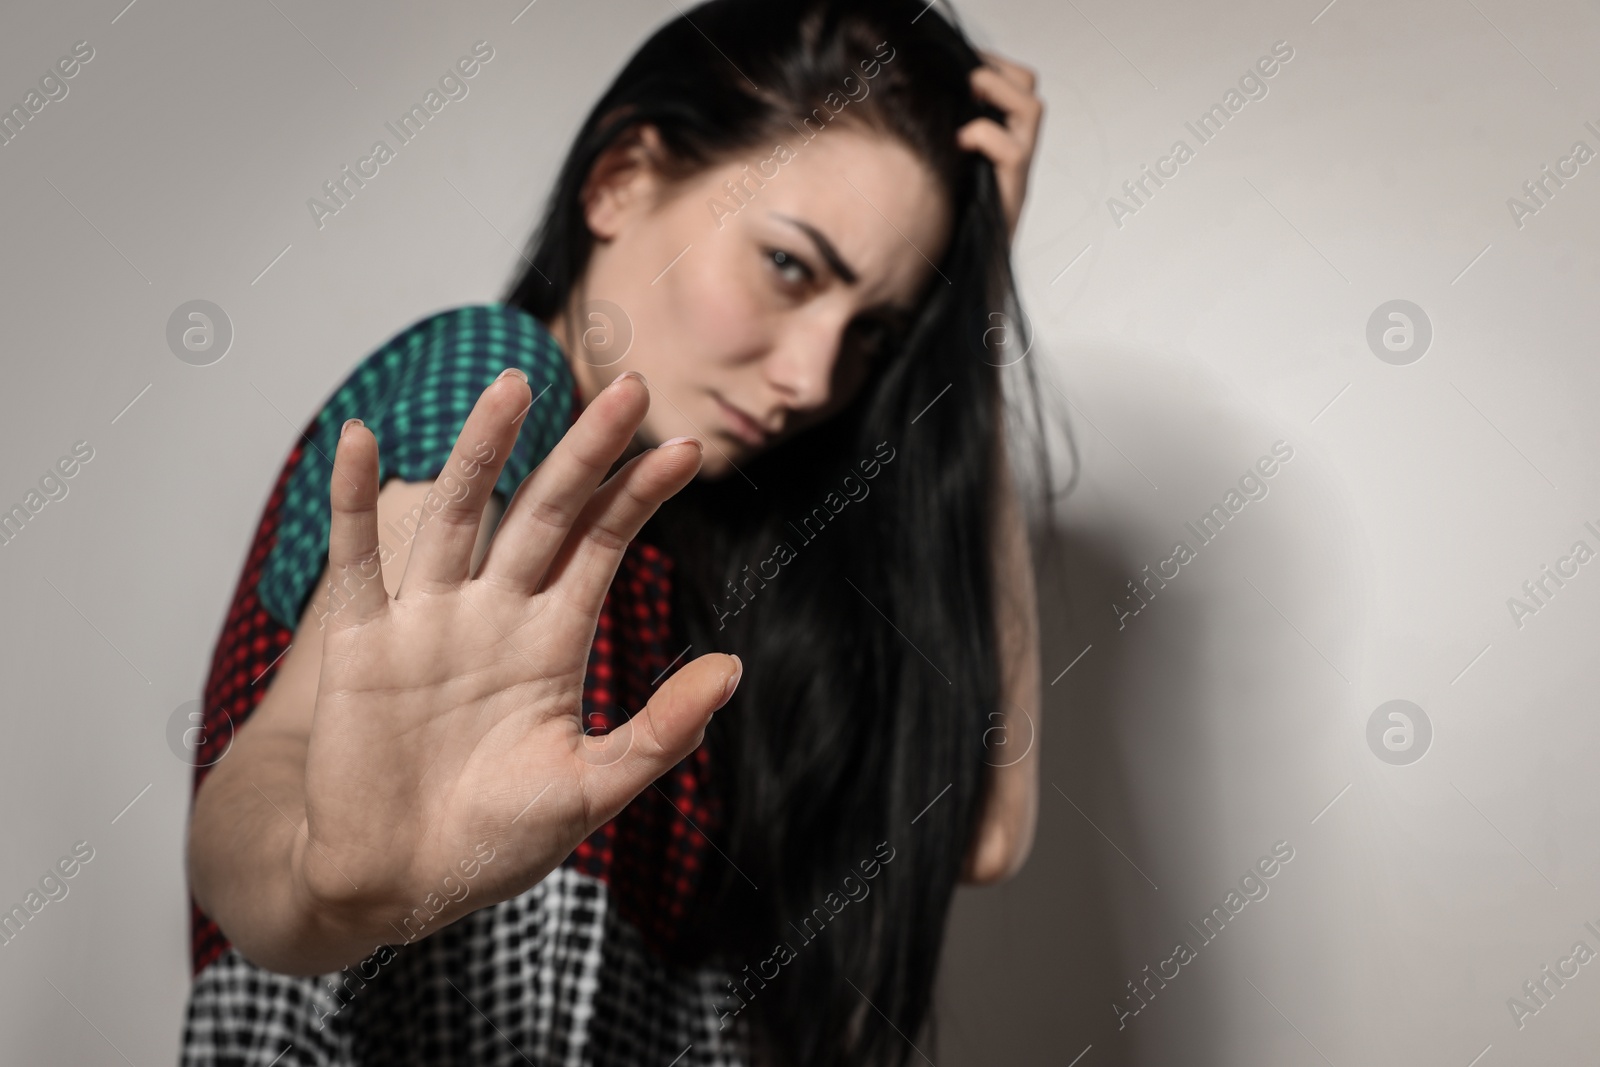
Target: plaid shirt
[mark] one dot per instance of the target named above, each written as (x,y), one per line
(581,969)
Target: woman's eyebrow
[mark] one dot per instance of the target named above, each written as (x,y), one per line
(902,316)
(825,247)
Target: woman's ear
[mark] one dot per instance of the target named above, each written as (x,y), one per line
(623,181)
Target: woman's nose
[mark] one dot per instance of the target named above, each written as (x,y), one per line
(802,366)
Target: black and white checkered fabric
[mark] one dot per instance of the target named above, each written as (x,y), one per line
(553,978)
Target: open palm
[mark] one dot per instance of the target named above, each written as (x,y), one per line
(448,716)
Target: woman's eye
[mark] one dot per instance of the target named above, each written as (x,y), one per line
(784,261)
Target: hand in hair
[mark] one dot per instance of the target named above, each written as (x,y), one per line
(419,729)
(1009,86)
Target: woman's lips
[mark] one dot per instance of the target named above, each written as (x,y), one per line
(741,425)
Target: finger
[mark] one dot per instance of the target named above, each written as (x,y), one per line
(1023,109)
(441,553)
(1009,159)
(586,563)
(1010,163)
(547,503)
(993,140)
(669,727)
(1023,77)
(355,571)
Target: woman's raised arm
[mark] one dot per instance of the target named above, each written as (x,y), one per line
(1005,835)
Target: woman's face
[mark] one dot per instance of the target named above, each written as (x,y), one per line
(753,318)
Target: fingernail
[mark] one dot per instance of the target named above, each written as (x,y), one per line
(627,374)
(349,423)
(681,440)
(510,371)
(733,682)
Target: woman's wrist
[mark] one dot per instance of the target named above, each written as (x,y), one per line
(330,921)
(254,869)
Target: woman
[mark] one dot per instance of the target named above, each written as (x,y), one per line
(745,453)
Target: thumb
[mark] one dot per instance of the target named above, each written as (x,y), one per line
(668,728)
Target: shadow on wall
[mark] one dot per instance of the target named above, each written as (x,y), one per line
(1183,743)
(1032,965)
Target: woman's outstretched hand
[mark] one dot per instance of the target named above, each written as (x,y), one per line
(447,718)
(450,716)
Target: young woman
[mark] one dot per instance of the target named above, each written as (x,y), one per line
(735,441)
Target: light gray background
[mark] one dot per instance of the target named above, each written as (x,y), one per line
(1228,313)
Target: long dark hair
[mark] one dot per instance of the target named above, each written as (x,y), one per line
(864,727)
